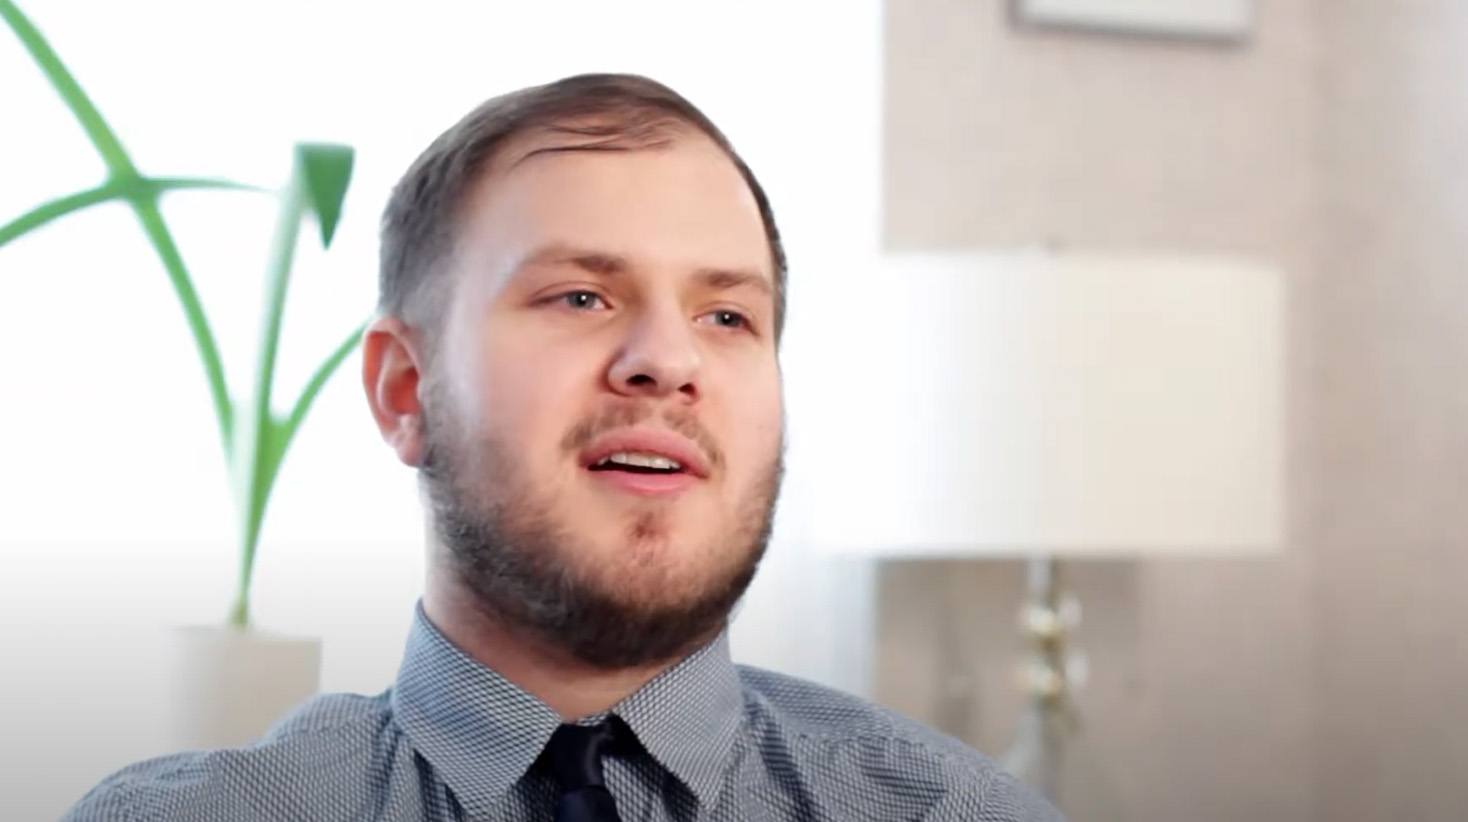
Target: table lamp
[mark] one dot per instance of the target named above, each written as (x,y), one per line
(1052,405)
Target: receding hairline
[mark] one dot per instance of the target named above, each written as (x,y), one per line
(597,131)
(422,222)
(606,130)
(549,140)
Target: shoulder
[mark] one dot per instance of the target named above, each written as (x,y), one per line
(323,746)
(880,756)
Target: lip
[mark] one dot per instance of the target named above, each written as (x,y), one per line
(649,441)
(649,485)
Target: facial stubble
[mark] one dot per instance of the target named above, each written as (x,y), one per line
(527,569)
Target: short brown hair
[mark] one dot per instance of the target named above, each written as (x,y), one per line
(619,111)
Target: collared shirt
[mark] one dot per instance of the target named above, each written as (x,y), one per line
(453,740)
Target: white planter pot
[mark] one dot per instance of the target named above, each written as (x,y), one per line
(228,686)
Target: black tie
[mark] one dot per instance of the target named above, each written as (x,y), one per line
(574,753)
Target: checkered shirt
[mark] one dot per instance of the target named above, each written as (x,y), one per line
(453,740)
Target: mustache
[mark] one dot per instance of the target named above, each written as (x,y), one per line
(624,415)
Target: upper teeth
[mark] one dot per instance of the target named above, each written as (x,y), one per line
(640,459)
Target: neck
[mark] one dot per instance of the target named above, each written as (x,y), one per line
(570,687)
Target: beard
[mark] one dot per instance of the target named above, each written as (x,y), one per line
(525,568)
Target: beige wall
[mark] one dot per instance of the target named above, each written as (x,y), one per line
(1199,706)
(1391,404)
(1331,684)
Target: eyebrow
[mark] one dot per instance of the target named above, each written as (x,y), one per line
(724,279)
(610,265)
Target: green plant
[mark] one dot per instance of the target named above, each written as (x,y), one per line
(253,436)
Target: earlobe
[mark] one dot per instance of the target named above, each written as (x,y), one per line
(390,376)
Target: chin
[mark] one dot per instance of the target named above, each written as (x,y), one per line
(656,567)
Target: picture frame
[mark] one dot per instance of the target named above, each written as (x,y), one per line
(1218,20)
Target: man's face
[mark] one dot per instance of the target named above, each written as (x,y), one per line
(611,315)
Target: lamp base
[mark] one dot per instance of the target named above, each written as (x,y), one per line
(1049,615)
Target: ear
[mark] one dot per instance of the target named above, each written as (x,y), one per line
(392,360)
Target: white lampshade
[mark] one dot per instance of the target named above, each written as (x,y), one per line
(1068,404)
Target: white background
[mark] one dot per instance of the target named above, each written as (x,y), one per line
(114,517)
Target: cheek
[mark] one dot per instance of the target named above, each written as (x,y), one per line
(772,428)
(757,414)
(529,398)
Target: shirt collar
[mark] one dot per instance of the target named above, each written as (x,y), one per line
(478,730)
(688,716)
(482,733)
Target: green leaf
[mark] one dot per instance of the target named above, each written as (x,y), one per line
(326,170)
(292,423)
(131,188)
(59,207)
(119,165)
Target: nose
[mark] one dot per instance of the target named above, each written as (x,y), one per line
(659,357)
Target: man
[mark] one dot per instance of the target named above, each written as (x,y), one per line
(582,295)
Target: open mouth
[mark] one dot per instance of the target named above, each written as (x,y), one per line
(633,462)
(648,462)
(643,473)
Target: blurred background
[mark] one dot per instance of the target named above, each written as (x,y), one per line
(1324,677)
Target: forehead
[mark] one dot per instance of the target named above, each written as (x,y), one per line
(680,204)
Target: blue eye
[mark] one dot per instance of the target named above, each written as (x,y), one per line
(584,300)
(729,319)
